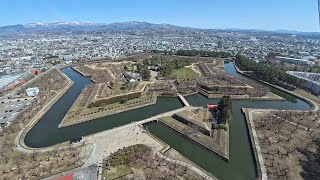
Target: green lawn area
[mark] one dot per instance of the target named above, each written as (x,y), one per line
(184,73)
(116,172)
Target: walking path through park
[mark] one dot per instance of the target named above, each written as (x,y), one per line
(195,70)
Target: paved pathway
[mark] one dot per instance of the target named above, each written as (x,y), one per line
(195,70)
(107,142)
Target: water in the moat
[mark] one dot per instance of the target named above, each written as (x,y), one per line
(46,131)
(240,166)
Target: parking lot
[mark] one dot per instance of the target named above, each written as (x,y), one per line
(10,108)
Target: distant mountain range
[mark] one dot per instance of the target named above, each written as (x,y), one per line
(86,26)
(118,26)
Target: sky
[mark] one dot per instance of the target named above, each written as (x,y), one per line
(301,15)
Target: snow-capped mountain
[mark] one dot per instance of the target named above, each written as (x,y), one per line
(58,23)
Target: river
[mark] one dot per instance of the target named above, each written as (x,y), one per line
(241,164)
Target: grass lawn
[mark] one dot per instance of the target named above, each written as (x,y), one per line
(184,73)
(116,172)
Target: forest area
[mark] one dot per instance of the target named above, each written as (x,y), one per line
(272,75)
(203,53)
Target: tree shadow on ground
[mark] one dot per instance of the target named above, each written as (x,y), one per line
(311,166)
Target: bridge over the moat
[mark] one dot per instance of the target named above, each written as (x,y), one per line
(183,100)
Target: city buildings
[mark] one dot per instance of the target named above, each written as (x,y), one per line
(20,53)
(31,53)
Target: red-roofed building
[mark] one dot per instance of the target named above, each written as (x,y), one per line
(22,81)
(66,177)
(212,106)
(35,71)
(11,88)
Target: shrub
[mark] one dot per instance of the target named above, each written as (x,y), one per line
(122,101)
(221,126)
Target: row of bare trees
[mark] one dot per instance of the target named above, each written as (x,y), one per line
(281,143)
